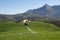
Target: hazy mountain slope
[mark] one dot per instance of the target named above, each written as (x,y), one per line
(43,12)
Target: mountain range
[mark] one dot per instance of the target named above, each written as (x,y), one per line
(44,12)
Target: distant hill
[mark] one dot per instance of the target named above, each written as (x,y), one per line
(45,12)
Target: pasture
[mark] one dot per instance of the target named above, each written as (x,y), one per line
(17,31)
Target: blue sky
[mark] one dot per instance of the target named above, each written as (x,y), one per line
(21,6)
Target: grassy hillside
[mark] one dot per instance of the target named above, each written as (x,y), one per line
(17,31)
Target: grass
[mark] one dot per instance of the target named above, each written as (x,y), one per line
(17,31)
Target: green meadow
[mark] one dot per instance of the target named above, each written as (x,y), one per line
(17,31)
